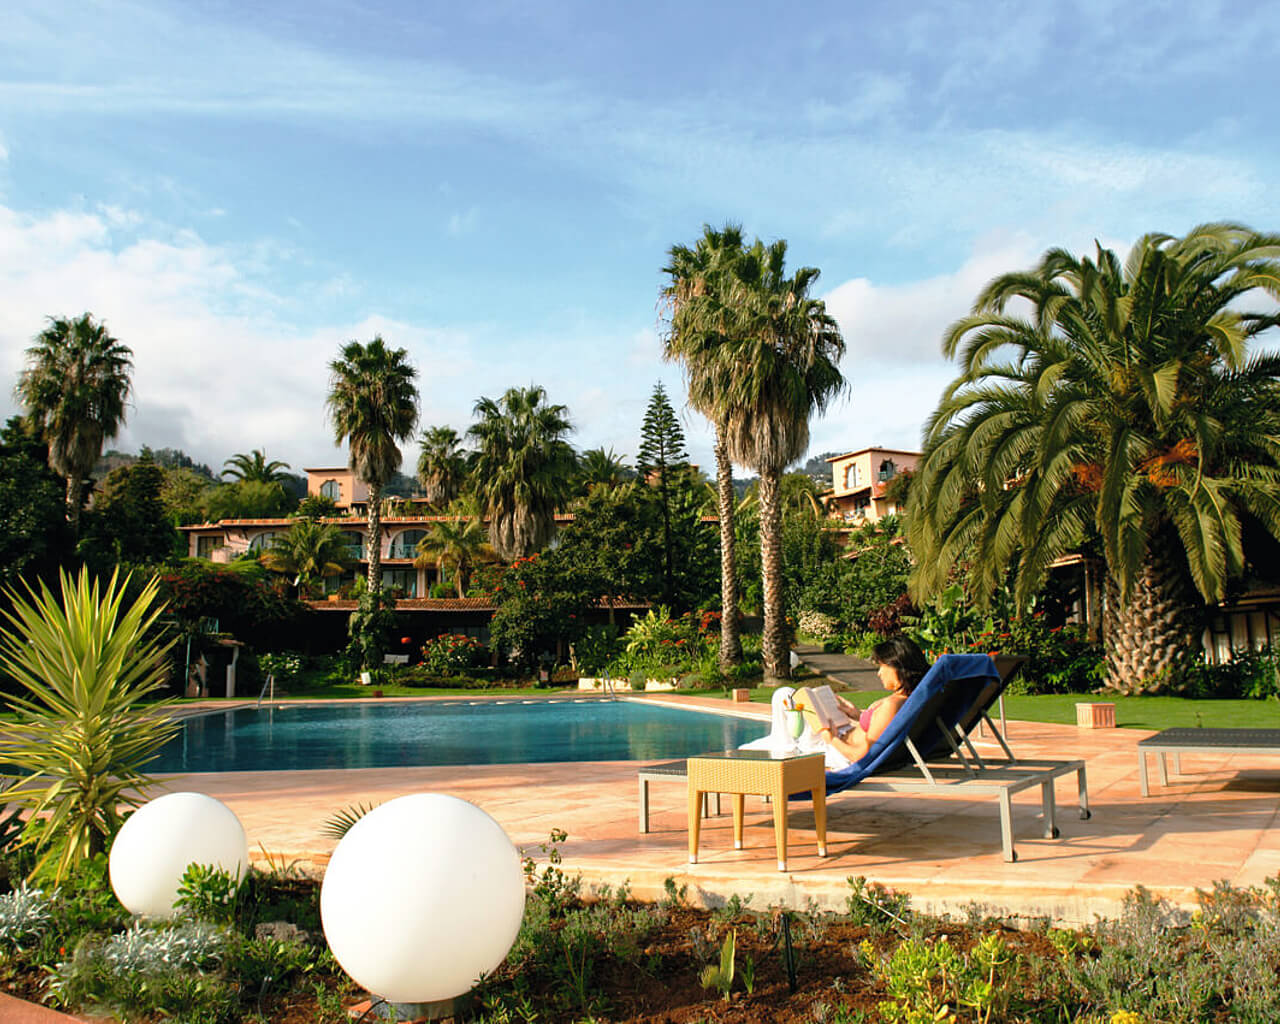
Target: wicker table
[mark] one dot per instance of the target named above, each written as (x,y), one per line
(1202,741)
(756,772)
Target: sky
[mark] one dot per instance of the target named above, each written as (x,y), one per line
(237,189)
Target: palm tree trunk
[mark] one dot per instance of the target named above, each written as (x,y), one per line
(730,641)
(375,539)
(73,504)
(777,661)
(665,495)
(1151,639)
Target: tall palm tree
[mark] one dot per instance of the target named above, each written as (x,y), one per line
(523,469)
(255,467)
(699,321)
(457,544)
(1125,414)
(779,371)
(442,465)
(309,551)
(373,404)
(74,388)
(764,367)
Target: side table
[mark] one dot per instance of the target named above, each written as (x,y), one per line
(758,773)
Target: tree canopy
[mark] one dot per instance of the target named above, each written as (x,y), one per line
(1125,412)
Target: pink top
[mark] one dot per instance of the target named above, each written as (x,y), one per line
(864,719)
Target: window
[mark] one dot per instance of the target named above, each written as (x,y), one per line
(206,546)
(403,580)
(406,544)
(262,542)
(887,470)
(354,542)
(331,489)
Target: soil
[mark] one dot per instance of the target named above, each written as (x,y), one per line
(662,986)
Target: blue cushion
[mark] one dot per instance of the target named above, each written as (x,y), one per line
(945,692)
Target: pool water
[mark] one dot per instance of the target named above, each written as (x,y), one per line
(296,737)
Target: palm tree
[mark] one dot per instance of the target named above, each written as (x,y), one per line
(309,551)
(255,467)
(74,388)
(523,470)
(373,404)
(1123,415)
(442,465)
(699,322)
(768,365)
(457,544)
(600,468)
(781,370)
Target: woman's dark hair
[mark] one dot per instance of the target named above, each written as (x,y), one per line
(901,653)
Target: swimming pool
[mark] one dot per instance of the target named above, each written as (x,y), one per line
(289,737)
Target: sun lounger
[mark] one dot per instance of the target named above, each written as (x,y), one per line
(1203,741)
(663,772)
(921,750)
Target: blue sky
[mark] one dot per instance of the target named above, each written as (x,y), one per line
(237,189)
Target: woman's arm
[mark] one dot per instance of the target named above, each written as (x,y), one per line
(858,741)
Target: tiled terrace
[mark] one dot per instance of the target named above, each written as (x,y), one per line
(1213,822)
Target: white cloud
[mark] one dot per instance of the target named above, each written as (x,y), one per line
(902,325)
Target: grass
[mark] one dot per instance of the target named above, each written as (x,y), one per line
(1131,712)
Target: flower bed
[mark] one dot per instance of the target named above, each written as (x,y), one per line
(602,957)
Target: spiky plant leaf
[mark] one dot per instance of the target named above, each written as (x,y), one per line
(81,737)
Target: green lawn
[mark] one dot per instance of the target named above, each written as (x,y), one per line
(1131,712)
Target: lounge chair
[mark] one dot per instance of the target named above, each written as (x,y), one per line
(921,750)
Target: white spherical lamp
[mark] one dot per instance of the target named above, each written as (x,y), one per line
(162,838)
(423,895)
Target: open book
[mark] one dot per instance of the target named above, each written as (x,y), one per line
(820,710)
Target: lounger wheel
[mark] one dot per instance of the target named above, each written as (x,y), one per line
(1056,832)
(1013,856)
(1085,815)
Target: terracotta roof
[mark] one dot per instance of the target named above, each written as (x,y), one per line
(455,604)
(873,448)
(430,604)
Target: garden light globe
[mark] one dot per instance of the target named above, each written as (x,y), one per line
(423,926)
(161,838)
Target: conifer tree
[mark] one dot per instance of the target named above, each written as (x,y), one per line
(662,453)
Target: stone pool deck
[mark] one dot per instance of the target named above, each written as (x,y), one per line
(1215,822)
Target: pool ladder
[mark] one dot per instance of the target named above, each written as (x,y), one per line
(270,684)
(608,686)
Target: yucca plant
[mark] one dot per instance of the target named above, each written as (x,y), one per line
(81,737)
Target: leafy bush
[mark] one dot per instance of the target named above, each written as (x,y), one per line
(369,629)
(286,666)
(661,647)
(1061,659)
(25,913)
(149,969)
(818,625)
(208,893)
(451,653)
(1249,674)
(80,736)
(596,648)
(421,677)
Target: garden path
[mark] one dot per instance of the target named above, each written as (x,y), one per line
(855,673)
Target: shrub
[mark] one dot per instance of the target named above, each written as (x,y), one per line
(285,666)
(1249,674)
(818,625)
(81,737)
(451,653)
(26,913)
